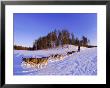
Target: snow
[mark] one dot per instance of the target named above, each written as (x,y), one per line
(78,63)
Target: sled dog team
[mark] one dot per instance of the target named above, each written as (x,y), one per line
(43,61)
(35,62)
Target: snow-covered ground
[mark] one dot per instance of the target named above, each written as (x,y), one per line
(78,63)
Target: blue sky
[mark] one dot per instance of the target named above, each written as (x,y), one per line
(30,26)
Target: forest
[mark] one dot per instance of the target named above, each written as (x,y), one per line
(54,39)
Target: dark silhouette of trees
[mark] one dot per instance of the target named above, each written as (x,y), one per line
(41,43)
(65,37)
(76,41)
(58,38)
(52,40)
(22,48)
(84,41)
(72,39)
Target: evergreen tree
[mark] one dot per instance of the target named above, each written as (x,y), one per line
(76,41)
(72,39)
(85,41)
(57,38)
(65,37)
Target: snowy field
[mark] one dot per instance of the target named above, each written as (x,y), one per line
(78,63)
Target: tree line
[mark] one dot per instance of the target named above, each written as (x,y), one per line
(54,39)
(59,38)
(16,47)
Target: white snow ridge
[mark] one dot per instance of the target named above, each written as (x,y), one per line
(64,63)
